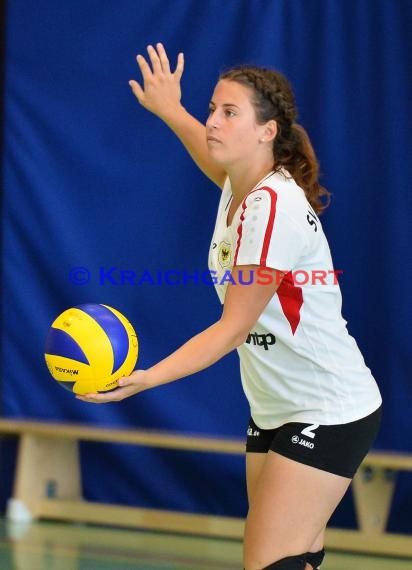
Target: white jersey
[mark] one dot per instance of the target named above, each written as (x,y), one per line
(299,363)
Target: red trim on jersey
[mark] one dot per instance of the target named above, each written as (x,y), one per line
(290,295)
(239,231)
(291,300)
(269,226)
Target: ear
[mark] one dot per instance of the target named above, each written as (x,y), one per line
(270,131)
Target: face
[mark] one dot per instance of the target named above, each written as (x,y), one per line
(233,136)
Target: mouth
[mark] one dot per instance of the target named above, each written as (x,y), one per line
(213,139)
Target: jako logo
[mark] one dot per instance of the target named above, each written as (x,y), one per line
(308,431)
(70,371)
(301,441)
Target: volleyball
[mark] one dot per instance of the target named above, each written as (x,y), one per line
(89,347)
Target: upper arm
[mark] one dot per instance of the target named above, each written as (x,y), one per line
(244,303)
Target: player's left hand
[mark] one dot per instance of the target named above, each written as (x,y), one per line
(128,386)
(161,91)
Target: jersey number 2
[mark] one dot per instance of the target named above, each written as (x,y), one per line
(308,431)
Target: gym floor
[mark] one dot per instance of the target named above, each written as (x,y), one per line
(61,546)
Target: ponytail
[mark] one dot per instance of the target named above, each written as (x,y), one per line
(273,98)
(295,153)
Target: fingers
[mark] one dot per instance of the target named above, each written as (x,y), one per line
(91,398)
(160,62)
(127,386)
(137,90)
(180,66)
(155,59)
(125,381)
(144,67)
(164,60)
(104,397)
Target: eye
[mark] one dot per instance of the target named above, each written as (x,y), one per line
(211,110)
(230,113)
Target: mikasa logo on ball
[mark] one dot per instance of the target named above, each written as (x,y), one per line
(66,370)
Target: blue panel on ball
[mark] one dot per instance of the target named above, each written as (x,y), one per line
(67,385)
(60,343)
(113,328)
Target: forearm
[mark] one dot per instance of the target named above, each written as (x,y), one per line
(192,134)
(241,310)
(200,352)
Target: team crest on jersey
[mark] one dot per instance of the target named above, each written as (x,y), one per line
(225,254)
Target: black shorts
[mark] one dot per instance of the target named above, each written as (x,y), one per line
(339,449)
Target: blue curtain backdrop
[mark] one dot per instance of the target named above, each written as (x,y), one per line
(92,180)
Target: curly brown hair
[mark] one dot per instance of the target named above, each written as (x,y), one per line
(273,98)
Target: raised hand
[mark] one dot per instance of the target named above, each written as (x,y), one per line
(161,92)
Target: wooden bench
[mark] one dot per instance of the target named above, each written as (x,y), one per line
(47,485)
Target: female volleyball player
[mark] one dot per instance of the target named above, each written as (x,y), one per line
(315,407)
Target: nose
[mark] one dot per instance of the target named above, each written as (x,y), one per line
(212,121)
